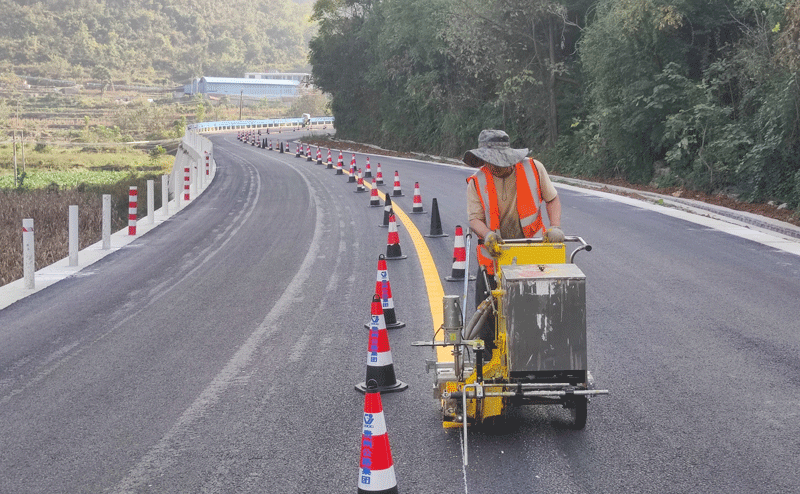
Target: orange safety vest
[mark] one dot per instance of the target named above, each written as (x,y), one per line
(529,200)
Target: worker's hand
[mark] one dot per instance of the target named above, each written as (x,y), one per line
(554,235)
(492,243)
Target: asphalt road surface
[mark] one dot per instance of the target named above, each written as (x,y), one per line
(219,352)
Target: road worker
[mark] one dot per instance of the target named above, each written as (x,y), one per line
(504,199)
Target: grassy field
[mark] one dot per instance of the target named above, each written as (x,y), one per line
(71,166)
(57,178)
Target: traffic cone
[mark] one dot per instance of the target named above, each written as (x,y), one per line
(393,251)
(319,156)
(270,145)
(330,162)
(379,175)
(309,156)
(417,207)
(379,356)
(298,150)
(387,211)
(383,289)
(436,222)
(360,182)
(352,177)
(340,165)
(397,192)
(374,198)
(353,161)
(367,170)
(459,258)
(375,467)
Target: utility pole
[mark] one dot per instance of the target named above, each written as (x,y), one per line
(22,141)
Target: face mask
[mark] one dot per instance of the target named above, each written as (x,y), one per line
(501,172)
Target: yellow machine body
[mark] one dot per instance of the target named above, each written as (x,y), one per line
(496,368)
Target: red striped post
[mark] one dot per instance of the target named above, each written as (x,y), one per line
(186,181)
(133,207)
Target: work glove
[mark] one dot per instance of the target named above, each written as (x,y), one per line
(492,243)
(554,235)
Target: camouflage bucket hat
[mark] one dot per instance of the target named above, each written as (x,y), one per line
(494,147)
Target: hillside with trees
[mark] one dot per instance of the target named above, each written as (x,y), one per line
(152,42)
(701,94)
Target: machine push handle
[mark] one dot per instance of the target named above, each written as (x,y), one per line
(539,240)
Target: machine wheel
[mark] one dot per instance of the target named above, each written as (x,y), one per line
(578,412)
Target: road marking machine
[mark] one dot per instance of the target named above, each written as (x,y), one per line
(539,355)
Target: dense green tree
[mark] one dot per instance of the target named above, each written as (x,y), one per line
(142,40)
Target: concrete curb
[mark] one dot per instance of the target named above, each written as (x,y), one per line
(695,207)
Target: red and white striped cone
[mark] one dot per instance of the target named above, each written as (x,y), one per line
(186,180)
(298,150)
(133,207)
(459,258)
(360,182)
(387,211)
(319,156)
(374,198)
(383,289)
(352,174)
(353,161)
(397,191)
(270,145)
(393,251)
(379,175)
(367,170)
(376,468)
(309,156)
(340,165)
(380,367)
(330,161)
(417,207)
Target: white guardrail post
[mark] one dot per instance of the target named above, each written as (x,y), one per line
(106,221)
(28,253)
(73,235)
(151,202)
(165,195)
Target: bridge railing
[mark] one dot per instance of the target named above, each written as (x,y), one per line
(276,123)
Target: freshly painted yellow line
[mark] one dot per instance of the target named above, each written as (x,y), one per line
(433,282)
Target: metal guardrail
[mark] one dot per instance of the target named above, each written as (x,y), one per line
(258,124)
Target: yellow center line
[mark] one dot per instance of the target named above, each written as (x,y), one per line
(433,282)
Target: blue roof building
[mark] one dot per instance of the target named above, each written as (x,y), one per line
(252,88)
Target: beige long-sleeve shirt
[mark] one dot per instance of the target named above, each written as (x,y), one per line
(507,201)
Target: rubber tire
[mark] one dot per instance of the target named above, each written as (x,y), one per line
(579,412)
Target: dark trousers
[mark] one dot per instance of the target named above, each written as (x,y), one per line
(481,292)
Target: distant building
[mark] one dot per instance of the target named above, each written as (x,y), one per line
(279,76)
(247,87)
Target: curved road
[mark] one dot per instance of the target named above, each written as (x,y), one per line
(218,353)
